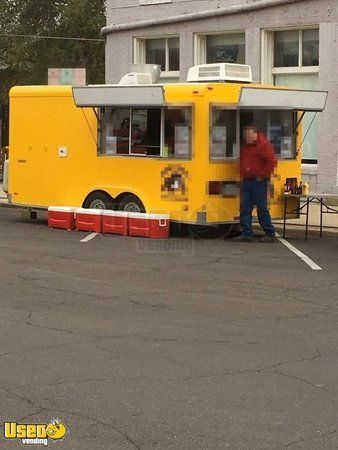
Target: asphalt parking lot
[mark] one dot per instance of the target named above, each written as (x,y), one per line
(185,344)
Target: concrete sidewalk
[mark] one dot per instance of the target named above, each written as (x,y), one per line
(329,220)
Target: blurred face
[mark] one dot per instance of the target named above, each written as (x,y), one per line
(250,135)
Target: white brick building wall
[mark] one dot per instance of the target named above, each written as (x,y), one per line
(293,14)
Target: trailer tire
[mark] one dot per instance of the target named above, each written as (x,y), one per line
(131,203)
(99,200)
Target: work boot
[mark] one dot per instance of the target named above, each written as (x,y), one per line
(266,239)
(243,238)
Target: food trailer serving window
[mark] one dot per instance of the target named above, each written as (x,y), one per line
(223,134)
(273,111)
(130,131)
(177,132)
(133,120)
(277,125)
(157,132)
(227,125)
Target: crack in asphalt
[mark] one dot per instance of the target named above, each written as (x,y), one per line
(196,377)
(111,426)
(27,416)
(68,291)
(153,305)
(26,322)
(304,316)
(106,349)
(303,380)
(310,438)
(20,397)
(294,361)
(24,352)
(40,409)
(49,328)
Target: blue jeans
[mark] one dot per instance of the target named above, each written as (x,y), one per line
(253,193)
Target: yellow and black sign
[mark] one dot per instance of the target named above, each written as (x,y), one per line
(174,185)
(35,434)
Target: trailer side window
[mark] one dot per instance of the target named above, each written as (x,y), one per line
(146,131)
(277,125)
(280,132)
(177,132)
(223,134)
(125,131)
(114,131)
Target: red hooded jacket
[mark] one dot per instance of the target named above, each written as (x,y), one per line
(257,160)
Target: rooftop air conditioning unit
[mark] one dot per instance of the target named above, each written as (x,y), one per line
(220,72)
(136,78)
(153,69)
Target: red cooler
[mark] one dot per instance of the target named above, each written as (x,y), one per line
(61,217)
(154,226)
(88,220)
(115,222)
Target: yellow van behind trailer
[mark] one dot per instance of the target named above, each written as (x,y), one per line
(170,148)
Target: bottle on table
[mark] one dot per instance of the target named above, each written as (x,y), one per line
(300,188)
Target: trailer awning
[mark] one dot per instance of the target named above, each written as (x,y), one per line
(101,96)
(294,99)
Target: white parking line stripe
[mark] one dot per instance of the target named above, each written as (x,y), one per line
(301,255)
(89,237)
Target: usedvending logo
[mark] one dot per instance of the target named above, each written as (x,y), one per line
(35,434)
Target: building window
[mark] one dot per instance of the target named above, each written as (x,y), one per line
(286,51)
(310,47)
(162,51)
(291,58)
(296,48)
(218,48)
(162,132)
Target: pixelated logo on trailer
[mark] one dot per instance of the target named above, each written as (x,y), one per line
(174,183)
(35,434)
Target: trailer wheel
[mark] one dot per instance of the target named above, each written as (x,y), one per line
(99,200)
(131,203)
(213,231)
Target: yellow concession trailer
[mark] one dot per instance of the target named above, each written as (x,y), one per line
(170,148)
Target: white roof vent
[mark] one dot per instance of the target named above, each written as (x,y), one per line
(135,79)
(153,69)
(220,72)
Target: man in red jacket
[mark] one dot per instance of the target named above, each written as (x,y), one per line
(257,162)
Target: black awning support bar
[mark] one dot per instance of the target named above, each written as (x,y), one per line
(98,117)
(91,131)
(299,122)
(96,114)
(307,132)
